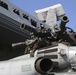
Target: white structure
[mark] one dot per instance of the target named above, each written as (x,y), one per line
(50,14)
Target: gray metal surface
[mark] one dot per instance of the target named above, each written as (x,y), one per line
(11,21)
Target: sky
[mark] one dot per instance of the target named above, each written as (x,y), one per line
(31,5)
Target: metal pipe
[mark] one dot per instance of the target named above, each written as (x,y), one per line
(43,65)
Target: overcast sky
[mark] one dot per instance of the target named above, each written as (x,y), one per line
(31,5)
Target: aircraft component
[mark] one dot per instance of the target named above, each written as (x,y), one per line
(28,66)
